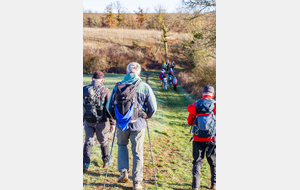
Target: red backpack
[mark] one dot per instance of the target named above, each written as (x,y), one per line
(175,81)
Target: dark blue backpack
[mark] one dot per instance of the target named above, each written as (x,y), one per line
(205,126)
(161,75)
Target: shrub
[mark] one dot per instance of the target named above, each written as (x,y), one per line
(195,80)
(92,61)
(113,59)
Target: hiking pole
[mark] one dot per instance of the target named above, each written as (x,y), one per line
(151,154)
(110,156)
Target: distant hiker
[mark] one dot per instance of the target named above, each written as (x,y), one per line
(131,102)
(165,82)
(172,64)
(164,66)
(161,76)
(170,77)
(202,116)
(95,97)
(167,65)
(175,82)
(171,72)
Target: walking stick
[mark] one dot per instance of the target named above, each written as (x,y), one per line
(110,156)
(151,154)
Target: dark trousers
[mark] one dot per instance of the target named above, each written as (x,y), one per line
(175,87)
(199,150)
(102,132)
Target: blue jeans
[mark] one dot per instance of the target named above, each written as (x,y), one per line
(137,148)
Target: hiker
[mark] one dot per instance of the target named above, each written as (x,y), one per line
(95,97)
(167,65)
(131,126)
(161,76)
(165,82)
(164,65)
(170,77)
(171,72)
(203,114)
(175,82)
(172,64)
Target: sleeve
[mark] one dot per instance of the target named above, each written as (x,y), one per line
(192,113)
(110,104)
(106,101)
(150,103)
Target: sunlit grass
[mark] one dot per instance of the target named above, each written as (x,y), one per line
(170,137)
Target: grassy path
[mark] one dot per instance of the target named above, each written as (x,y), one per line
(170,137)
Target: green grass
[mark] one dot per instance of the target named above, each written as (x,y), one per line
(170,143)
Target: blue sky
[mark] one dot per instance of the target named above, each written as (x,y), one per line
(131,5)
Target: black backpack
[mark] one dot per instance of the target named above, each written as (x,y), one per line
(93,99)
(125,96)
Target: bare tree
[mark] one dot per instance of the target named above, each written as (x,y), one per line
(109,20)
(121,10)
(109,8)
(161,18)
(142,16)
(160,9)
(120,7)
(200,6)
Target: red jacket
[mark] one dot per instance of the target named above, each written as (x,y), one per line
(192,116)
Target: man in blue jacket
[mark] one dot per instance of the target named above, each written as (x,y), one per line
(146,101)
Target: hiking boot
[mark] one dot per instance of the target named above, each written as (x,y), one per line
(109,162)
(137,186)
(85,167)
(123,177)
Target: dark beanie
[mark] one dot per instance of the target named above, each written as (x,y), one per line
(98,75)
(208,88)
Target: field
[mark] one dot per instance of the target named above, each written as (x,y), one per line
(101,37)
(110,50)
(170,137)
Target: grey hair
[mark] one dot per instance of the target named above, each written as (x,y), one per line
(133,67)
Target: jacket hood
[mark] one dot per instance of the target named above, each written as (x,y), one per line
(130,78)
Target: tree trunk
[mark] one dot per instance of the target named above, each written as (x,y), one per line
(165,40)
(166,49)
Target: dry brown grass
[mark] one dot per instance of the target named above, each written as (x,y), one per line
(97,37)
(110,50)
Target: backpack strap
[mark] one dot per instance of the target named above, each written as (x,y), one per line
(137,83)
(99,92)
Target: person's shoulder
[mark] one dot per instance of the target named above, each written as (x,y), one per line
(143,88)
(87,86)
(144,84)
(106,89)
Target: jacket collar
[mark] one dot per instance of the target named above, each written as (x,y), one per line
(207,96)
(96,83)
(130,78)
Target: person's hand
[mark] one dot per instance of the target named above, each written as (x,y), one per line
(142,114)
(112,128)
